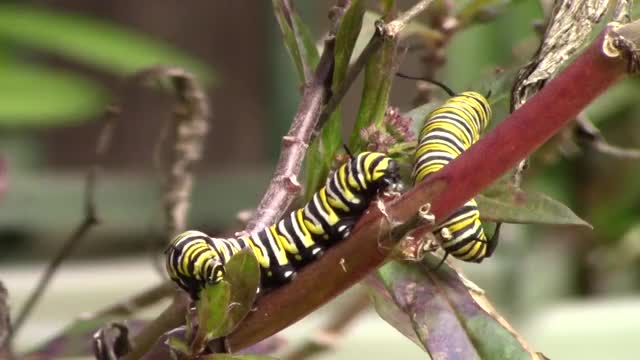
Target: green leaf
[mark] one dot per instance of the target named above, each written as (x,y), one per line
(243,273)
(307,45)
(237,357)
(346,39)
(223,305)
(504,203)
(419,114)
(212,312)
(35,96)
(321,152)
(178,345)
(451,320)
(99,43)
(378,75)
(478,11)
(297,39)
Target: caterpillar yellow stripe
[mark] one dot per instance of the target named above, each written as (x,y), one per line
(195,260)
(448,131)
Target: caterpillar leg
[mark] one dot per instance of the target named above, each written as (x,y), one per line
(343,227)
(277,275)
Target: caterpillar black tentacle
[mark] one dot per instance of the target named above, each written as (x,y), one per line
(448,131)
(195,260)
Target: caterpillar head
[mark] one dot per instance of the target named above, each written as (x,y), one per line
(193,263)
(380,169)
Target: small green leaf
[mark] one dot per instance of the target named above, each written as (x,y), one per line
(107,46)
(451,320)
(223,305)
(243,273)
(237,357)
(504,203)
(297,39)
(178,345)
(346,39)
(34,96)
(320,154)
(212,313)
(307,45)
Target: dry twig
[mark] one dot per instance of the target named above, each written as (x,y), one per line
(90,219)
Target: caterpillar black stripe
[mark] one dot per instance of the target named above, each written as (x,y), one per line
(448,131)
(195,259)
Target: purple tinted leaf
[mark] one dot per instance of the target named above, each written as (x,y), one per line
(449,318)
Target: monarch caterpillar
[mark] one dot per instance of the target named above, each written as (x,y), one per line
(448,131)
(195,260)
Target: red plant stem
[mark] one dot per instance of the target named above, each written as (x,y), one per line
(560,101)
(520,134)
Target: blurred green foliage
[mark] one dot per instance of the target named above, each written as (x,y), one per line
(37,96)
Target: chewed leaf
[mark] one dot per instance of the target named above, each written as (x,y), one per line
(505,203)
(223,305)
(243,273)
(212,313)
(451,319)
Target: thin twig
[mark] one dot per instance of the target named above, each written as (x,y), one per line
(136,303)
(590,135)
(90,219)
(393,28)
(5,325)
(326,339)
(284,185)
